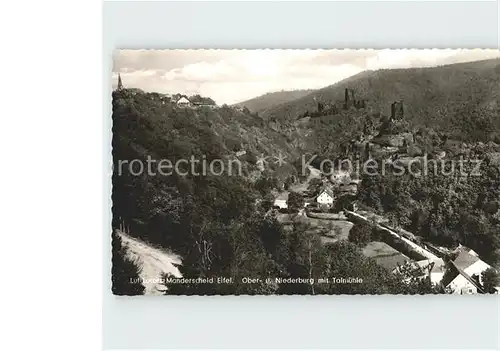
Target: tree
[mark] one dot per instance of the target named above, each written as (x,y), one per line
(360,234)
(344,202)
(267,202)
(491,279)
(305,258)
(287,183)
(295,201)
(314,186)
(343,259)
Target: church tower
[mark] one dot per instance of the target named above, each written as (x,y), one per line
(120,84)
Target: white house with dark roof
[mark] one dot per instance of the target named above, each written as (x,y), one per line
(183,102)
(460,282)
(325,197)
(465,273)
(469,261)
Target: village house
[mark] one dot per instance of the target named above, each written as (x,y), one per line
(325,197)
(282,201)
(468,260)
(456,281)
(464,275)
(183,102)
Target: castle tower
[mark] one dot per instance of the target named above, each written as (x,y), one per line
(120,84)
(397,110)
(319,105)
(349,98)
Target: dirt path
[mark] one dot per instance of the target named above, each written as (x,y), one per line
(154,262)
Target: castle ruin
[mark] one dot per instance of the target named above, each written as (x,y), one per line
(397,110)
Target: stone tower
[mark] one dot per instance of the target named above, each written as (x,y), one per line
(349,99)
(397,110)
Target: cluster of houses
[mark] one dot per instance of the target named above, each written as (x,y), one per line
(179,100)
(325,198)
(462,275)
(340,184)
(457,271)
(185,102)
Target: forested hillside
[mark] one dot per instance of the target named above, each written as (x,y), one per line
(461,99)
(443,207)
(452,109)
(269,100)
(218,223)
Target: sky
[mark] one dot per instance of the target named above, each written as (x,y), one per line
(231,76)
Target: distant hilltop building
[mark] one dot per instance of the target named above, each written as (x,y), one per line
(194,101)
(183,102)
(350,100)
(120,84)
(203,102)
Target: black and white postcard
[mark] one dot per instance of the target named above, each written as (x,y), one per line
(306,172)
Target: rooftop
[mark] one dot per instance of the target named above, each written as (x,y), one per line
(283,196)
(325,190)
(465,260)
(454,272)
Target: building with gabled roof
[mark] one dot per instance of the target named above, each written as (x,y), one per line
(464,275)
(469,261)
(183,102)
(457,281)
(325,197)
